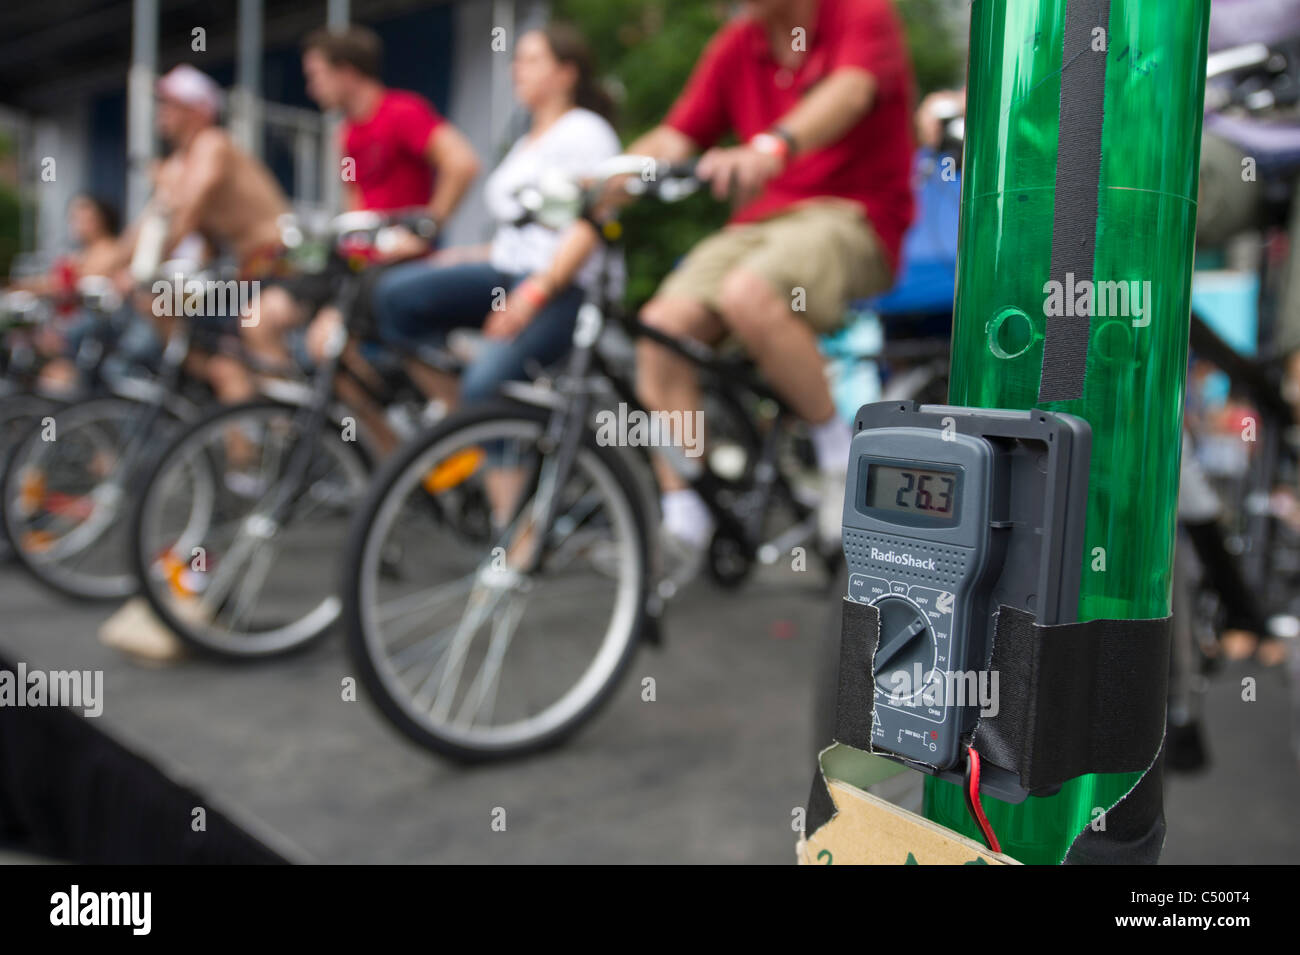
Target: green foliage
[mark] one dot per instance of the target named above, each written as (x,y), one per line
(10,228)
(645,50)
(936,60)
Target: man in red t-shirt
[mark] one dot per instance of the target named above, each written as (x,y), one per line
(396,152)
(819,94)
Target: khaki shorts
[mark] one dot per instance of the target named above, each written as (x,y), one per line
(819,256)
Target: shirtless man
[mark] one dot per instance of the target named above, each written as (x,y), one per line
(209,187)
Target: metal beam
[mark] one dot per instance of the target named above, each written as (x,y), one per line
(337,15)
(246,97)
(141,76)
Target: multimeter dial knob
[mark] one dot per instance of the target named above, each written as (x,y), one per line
(907,647)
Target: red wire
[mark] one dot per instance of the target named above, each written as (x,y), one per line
(974,793)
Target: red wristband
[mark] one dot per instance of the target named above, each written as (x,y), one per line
(770,144)
(532,293)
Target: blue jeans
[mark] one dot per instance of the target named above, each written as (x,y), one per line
(420,304)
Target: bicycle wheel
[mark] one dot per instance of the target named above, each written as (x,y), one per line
(234,565)
(19,413)
(463,648)
(66,493)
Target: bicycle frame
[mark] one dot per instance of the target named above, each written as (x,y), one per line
(741,521)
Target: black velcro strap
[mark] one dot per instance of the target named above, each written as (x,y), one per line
(1076,698)
(820,805)
(859,634)
(1078,178)
(853,700)
(1135,827)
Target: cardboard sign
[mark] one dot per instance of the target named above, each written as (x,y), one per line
(866,830)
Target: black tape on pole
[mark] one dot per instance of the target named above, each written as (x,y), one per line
(1135,827)
(854,699)
(1078,179)
(1076,698)
(859,636)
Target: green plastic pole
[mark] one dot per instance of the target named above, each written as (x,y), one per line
(1136,363)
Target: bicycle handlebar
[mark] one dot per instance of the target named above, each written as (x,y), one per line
(21,307)
(558,199)
(368,225)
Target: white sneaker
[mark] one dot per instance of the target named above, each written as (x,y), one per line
(136,631)
(682,561)
(684,537)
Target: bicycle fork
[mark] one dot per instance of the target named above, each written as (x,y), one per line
(563,435)
(313,418)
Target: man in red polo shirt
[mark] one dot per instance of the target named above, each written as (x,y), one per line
(819,94)
(399,151)
(396,152)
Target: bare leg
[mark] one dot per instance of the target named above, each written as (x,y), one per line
(504,486)
(665,381)
(58,375)
(319,334)
(230,379)
(785,349)
(233,384)
(782,345)
(433,383)
(370,413)
(269,319)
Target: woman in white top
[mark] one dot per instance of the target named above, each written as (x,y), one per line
(542,272)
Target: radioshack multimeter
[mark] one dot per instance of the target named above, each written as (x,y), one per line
(949,513)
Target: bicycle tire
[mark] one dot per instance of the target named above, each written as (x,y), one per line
(361,550)
(196,633)
(18,413)
(24,547)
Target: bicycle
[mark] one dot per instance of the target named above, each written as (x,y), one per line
(571,543)
(218,558)
(67,481)
(24,397)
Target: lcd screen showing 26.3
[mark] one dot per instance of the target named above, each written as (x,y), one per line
(914,491)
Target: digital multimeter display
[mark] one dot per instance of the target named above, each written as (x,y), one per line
(949,514)
(921,492)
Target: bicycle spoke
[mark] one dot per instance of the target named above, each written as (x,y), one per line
(484,688)
(415,602)
(420,650)
(84,534)
(455,657)
(217,591)
(270,471)
(254,580)
(476,613)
